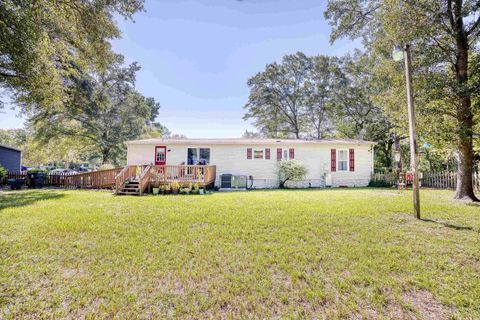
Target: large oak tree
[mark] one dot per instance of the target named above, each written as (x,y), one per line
(106,110)
(444,35)
(43,42)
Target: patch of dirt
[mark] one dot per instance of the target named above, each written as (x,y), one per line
(70,273)
(426,305)
(391,194)
(402,217)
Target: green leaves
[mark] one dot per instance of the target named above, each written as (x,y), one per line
(44,42)
(290,170)
(104,112)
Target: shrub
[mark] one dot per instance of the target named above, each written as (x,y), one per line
(36,170)
(3,174)
(379,184)
(290,170)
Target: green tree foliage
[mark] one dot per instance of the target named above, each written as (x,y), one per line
(44,42)
(155,130)
(106,111)
(290,170)
(320,96)
(13,137)
(444,36)
(3,174)
(59,151)
(277,96)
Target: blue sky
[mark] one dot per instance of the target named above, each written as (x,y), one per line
(197,55)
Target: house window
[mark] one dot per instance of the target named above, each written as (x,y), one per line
(160,155)
(204,155)
(258,154)
(342,160)
(198,156)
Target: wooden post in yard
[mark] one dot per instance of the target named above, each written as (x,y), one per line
(411,129)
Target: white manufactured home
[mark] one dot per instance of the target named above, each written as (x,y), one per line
(330,162)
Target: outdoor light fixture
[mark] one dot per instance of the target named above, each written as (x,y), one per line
(398,156)
(397,53)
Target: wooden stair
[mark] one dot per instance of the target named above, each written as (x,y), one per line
(131,187)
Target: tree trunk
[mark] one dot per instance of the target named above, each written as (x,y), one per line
(105,156)
(465,172)
(464,189)
(297,133)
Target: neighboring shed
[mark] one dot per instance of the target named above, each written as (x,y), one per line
(10,158)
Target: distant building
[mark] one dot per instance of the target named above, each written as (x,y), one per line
(10,158)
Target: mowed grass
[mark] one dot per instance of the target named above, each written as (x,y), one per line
(344,253)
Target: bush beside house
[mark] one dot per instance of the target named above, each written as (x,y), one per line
(290,170)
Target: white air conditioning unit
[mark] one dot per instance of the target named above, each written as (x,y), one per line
(328,180)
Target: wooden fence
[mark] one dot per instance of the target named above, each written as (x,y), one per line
(438,180)
(93,179)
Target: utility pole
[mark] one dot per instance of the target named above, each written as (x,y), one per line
(411,129)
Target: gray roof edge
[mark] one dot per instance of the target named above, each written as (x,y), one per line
(8,147)
(240,141)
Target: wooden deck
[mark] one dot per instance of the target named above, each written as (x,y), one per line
(144,176)
(94,179)
(135,178)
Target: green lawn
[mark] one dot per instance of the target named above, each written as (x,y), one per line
(341,253)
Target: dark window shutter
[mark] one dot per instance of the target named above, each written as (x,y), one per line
(279,154)
(291,153)
(249,153)
(333,156)
(352,159)
(267,154)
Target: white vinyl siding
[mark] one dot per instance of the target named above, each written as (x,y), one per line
(231,159)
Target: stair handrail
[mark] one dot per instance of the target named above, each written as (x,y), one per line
(121,177)
(144,179)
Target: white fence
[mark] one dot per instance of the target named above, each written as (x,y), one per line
(438,180)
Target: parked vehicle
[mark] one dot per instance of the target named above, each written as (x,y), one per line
(62,171)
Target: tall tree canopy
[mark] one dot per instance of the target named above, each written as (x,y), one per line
(278,96)
(43,42)
(317,97)
(106,111)
(444,35)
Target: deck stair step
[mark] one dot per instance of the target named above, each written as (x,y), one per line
(131,187)
(135,193)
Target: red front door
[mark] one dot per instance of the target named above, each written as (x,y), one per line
(160,155)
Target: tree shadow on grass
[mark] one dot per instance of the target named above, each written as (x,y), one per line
(450,225)
(473,204)
(23,198)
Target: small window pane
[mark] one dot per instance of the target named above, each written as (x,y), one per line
(192,156)
(285,154)
(258,154)
(204,156)
(342,160)
(160,156)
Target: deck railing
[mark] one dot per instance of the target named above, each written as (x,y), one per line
(145,178)
(204,175)
(93,179)
(128,172)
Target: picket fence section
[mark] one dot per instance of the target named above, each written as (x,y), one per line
(437,180)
